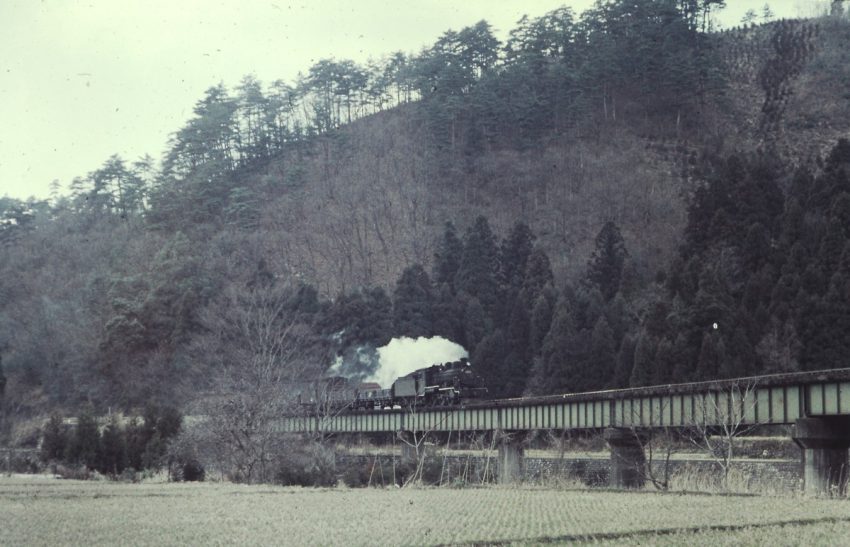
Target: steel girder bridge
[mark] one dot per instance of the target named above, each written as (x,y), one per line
(816,403)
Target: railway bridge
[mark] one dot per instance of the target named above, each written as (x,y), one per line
(816,403)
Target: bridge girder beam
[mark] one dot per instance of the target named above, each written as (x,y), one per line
(824,444)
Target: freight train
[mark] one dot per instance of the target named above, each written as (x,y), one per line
(447,384)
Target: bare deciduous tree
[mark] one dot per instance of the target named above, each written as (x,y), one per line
(719,420)
(414,441)
(658,444)
(262,350)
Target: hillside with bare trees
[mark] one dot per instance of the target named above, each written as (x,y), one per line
(576,206)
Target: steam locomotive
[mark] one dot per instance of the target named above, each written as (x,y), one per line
(446,384)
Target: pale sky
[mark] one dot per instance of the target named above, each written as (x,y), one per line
(82,80)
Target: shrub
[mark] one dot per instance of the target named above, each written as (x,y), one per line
(432,469)
(184,464)
(147,442)
(306,465)
(596,477)
(74,472)
(112,450)
(54,440)
(374,472)
(404,470)
(129,475)
(357,475)
(188,469)
(22,461)
(82,447)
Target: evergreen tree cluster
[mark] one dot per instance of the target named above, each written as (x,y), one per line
(480,294)
(499,300)
(760,284)
(114,448)
(584,330)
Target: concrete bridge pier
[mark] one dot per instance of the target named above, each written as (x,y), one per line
(510,457)
(628,463)
(824,443)
(407,441)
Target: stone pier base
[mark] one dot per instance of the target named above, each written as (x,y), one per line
(628,463)
(407,442)
(824,443)
(510,459)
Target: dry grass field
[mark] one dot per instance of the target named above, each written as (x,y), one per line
(40,511)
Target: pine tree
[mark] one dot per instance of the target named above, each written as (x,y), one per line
(831,247)
(840,213)
(741,359)
(490,361)
(605,267)
(758,289)
(712,357)
(53,440)
(448,256)
(478,269)
(663,368)
(537,383)
(758,199)
(587,307)
(801,186)
(792,225)
(643,362)
(625,362)
(84,442)
(581,376)
(514,255)
(136,442)
(685,357)
(413,303)
(601,365)
(813,282)
(713,302)
(519,330)
(112,449)
(619,317)
(538,274)
(363,316)
(448,313)
(475,323)
(541,318)
(556,348)
(2,381)
(169,422)
(756,250)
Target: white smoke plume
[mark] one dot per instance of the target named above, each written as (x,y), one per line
(356,363)
(404,355)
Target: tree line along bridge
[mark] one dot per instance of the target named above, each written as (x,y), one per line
(816,403)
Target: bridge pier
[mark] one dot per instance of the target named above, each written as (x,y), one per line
(824,443)
(628,463)
(407,441)
(510,458)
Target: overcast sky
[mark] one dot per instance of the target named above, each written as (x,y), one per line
(82,80)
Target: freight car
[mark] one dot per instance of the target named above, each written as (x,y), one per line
(447,384)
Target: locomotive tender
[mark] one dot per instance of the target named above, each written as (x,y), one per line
(446,384)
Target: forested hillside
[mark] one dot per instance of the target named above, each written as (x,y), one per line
(621,197)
